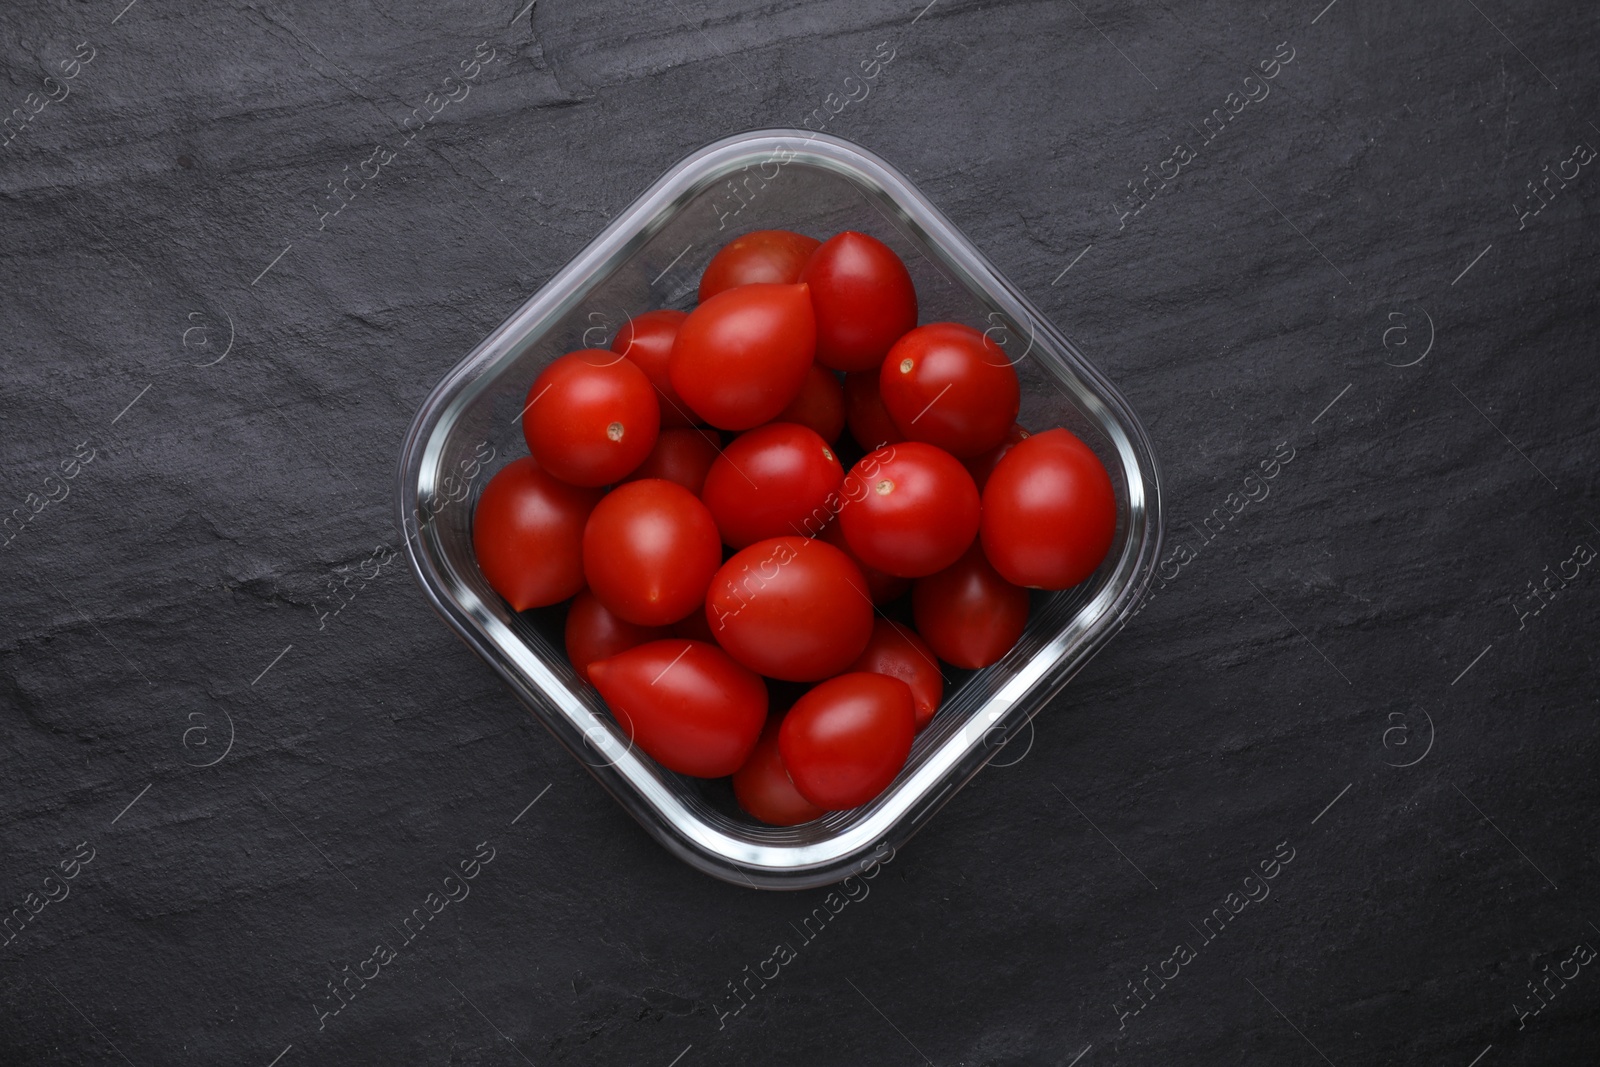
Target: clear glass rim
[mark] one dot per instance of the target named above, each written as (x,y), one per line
(962,747)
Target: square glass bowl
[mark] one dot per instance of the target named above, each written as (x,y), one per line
(652,257)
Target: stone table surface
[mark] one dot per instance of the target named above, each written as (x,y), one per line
(1377,680)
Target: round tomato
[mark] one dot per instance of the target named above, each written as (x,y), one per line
(743,355)
(846,739)
(864,300)
(591,418)
(682,456)
(646,342)
(649,551)
(883,587)
(593,633)
(980,467)
(527,532)
(763,788)
(1049,512)
(910,509)
(967,613)
(763,256)
(869,420)
(951,386)
(686,704)
(790,608)
(819,404)
(898,652)
(772,481)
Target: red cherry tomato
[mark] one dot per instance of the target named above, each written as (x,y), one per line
(686,704)
(790,608)
(980,467)
(898,652)
(593,633)
(763,256)
(649,551)
(527,532)
(883,587)
(682,456)
(1049,512)
(869,420)
(910,509)
(819,404)
(590,417)
(646,342)
(772,481)
(845,740)
(951,386)
(967,613)
(744,354)
(763,788)
(863,297)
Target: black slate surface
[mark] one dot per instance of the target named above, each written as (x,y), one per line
(1353,672)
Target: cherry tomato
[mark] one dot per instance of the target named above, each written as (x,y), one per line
(980,467)
(898,652)
(772,481)
(763,256)
(951,386)
(646,342)
(649,551)
(593,633)
(527,532)
(967,613)
(1049,512)
(819,404)
(744,354)
(686,704)
(883,587)
(763,788)
(682,456)
(869,420)
(910,509)
(591,417)
(864,300)
(845,740)
(790,608)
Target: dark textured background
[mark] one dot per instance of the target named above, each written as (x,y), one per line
(1366,614)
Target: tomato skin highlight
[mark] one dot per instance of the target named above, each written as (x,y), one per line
(593,633)
(981,466)
(527,534)
(882,586)
(868,419)
(591,417)
(763,788)
(791,608)
(845,740)
(686,704)
(646,342)
(897,651)
(649,551)
(683,456)
(864,300)
(951,386)
(775,256)
(819,404)
(910,509)
(769,482)
(742,356)
(1049,512)
(968,613)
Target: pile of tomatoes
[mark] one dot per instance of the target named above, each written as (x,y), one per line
(692,491)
